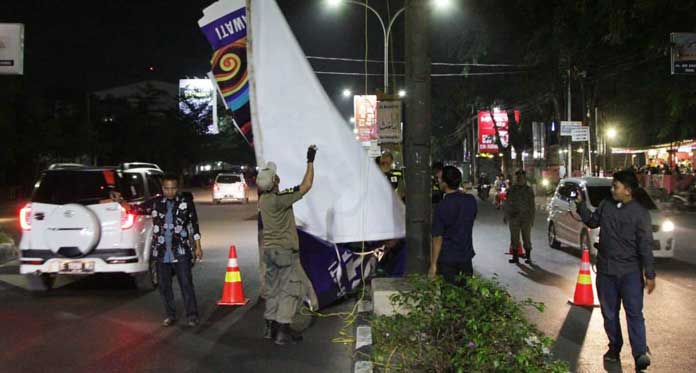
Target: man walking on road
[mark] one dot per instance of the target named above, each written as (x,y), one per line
(281,250)
(172,215)
(519,210)
(625,263)
(453,224)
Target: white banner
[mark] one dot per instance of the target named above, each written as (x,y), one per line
(351,200)
(11,48)
(390,122)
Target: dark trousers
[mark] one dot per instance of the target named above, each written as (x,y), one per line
(518,228)
(450,271)
(613,291)
(182,270)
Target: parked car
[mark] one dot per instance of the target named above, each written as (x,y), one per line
(565,226)
(230,187)
(72,227)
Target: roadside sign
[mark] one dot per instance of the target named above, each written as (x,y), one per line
(374,151)
(567,127)
(11,49)
(580,134)
(683,53)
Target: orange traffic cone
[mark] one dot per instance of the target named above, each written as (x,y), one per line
(520,250)
(584,294)
(233,290)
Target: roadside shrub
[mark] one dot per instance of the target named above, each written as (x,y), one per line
(476,327)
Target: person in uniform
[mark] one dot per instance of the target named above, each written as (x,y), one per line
(281,248)
(519,212)
(395,177)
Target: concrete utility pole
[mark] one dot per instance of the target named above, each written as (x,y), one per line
(569,171)
(417,133)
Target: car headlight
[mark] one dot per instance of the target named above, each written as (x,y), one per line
(667,226)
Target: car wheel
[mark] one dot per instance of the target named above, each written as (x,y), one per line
(149,279)
(553,240)
(216,201)
(40,283)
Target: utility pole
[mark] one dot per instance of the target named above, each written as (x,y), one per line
(417,134)
(569,171)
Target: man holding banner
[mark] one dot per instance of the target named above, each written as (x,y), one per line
(282,250)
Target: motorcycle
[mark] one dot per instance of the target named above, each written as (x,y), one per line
(500,197)
(685,200)
(484,190)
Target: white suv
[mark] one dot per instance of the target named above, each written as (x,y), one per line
(230,187)
(566,227)
(72,227)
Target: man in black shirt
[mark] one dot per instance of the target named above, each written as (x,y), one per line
(453,223)
(625,263)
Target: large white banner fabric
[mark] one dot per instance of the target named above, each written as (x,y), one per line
(351,200)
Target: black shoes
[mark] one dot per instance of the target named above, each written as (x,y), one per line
(284,335)
(193,322)
(270,330)
(514,260)
(168,322)
(612,356)
(642,362)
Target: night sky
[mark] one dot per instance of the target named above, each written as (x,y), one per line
(78,46)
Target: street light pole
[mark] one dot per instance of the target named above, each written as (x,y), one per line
(386,29)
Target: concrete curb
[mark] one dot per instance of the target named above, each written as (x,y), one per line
(363,338)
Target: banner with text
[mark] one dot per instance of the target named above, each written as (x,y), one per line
(365,108)
(486,129)
(224,24)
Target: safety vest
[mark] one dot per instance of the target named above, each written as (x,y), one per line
(394,177)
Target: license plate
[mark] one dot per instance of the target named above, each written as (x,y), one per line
(78,267)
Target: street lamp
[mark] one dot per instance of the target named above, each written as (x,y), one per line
(352,119)
(347,93)
(402,93)
(386,29)
(611,133)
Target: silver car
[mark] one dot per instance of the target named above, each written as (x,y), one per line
(565,226)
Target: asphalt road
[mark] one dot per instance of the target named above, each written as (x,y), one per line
(103,323)
(669,311)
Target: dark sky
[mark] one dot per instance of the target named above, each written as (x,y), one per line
(91,45)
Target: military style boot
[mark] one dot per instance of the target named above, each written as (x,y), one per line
(270,330)
(285,335)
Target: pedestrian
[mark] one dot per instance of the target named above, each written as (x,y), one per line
(172,216)
(395,177)
(436,192)
(625,263)
(519,212)
(281,247)
(453,223)
(262,263)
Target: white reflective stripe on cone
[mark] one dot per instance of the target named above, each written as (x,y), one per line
(232,263)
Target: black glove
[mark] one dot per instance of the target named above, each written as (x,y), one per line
(311,153)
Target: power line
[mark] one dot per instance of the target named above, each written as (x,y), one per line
(402,62)
(432,75)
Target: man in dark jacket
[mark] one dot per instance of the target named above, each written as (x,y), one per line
(174,226)
(519,211)
(453,223)
(625,263)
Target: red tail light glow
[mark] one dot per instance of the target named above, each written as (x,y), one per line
(127,219)
(25,217)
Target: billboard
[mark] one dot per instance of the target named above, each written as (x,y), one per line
(683,53)
(365,109)
(198,98)
(224,24)
(486,129)
(390,123)
(11,49)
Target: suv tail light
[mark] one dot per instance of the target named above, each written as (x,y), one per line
(127,219)
(216,187)
(25,217)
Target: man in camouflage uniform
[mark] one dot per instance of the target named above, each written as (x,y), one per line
(281,250)
(519,212)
